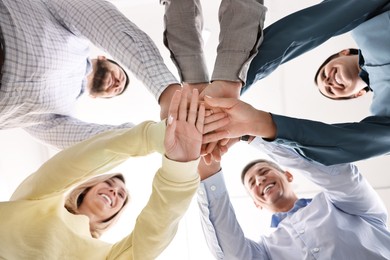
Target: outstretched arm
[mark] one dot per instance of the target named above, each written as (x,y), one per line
(63,131)
(174,184)
(223,233)
(324,143)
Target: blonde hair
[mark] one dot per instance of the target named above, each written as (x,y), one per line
(74,199)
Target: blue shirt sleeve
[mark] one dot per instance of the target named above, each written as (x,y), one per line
(292,35)
(336,143)
(223,233)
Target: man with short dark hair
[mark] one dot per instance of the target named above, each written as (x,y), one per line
(348,75)
(46,47)
(347,220)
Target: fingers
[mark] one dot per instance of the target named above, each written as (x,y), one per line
(210,127)
(220,102)
(193,112)
(211,146)
(174,105)
(183,105)
(201,118)
(214,137)
(224,142)
(211,117)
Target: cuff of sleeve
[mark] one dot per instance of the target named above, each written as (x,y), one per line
(193,69)
(229,66)
(213,187)
(180,171)
(282,125)
(156,134)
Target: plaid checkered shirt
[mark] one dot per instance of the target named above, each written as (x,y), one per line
(47,47)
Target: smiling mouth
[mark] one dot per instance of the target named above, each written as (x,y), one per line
(337,80)
(107,198)
(267,188)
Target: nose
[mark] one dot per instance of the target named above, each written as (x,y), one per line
(114,191)
(259,180)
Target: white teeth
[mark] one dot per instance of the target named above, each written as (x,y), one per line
(107,198)
(268,187)
(337,79)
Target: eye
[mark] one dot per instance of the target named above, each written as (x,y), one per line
(330,91)
(323,75)
(122,195)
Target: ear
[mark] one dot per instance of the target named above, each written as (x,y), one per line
(361,92)
(289,176)
(344,52)
(258,205)
(101,57)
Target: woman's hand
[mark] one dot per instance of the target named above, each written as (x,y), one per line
(183,137)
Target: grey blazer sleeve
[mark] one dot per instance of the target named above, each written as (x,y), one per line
(306,29)
(336,143)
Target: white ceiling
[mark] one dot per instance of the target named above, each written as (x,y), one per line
(288,91)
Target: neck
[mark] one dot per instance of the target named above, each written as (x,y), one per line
(285,205)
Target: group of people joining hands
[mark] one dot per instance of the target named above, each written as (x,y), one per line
(61,210)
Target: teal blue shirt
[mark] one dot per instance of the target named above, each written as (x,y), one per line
(292,36)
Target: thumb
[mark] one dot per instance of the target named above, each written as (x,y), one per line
(220,102)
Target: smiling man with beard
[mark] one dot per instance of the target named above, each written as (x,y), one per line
(108,79)
(45,65)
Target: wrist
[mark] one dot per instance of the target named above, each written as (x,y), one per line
(165,99)
(266,127)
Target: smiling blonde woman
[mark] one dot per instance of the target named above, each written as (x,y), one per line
(40,222)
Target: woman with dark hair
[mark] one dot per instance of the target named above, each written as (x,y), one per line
(59,211)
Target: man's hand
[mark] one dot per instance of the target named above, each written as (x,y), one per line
(165,99)
(225,89)
(222,89)
(242,119)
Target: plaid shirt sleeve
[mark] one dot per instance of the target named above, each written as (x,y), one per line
(62,131)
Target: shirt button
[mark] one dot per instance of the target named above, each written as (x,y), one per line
(316,250)
(301,231)
(213,188)
(200,192)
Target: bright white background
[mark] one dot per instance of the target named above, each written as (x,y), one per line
(288,91)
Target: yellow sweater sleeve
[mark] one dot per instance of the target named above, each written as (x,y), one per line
(91,157)
(173,188)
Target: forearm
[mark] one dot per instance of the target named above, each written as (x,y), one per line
(183,22)
(91,157)
(223,233)
(337,143)
(173,189)
(241,25)
(302,31)
(62,131)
